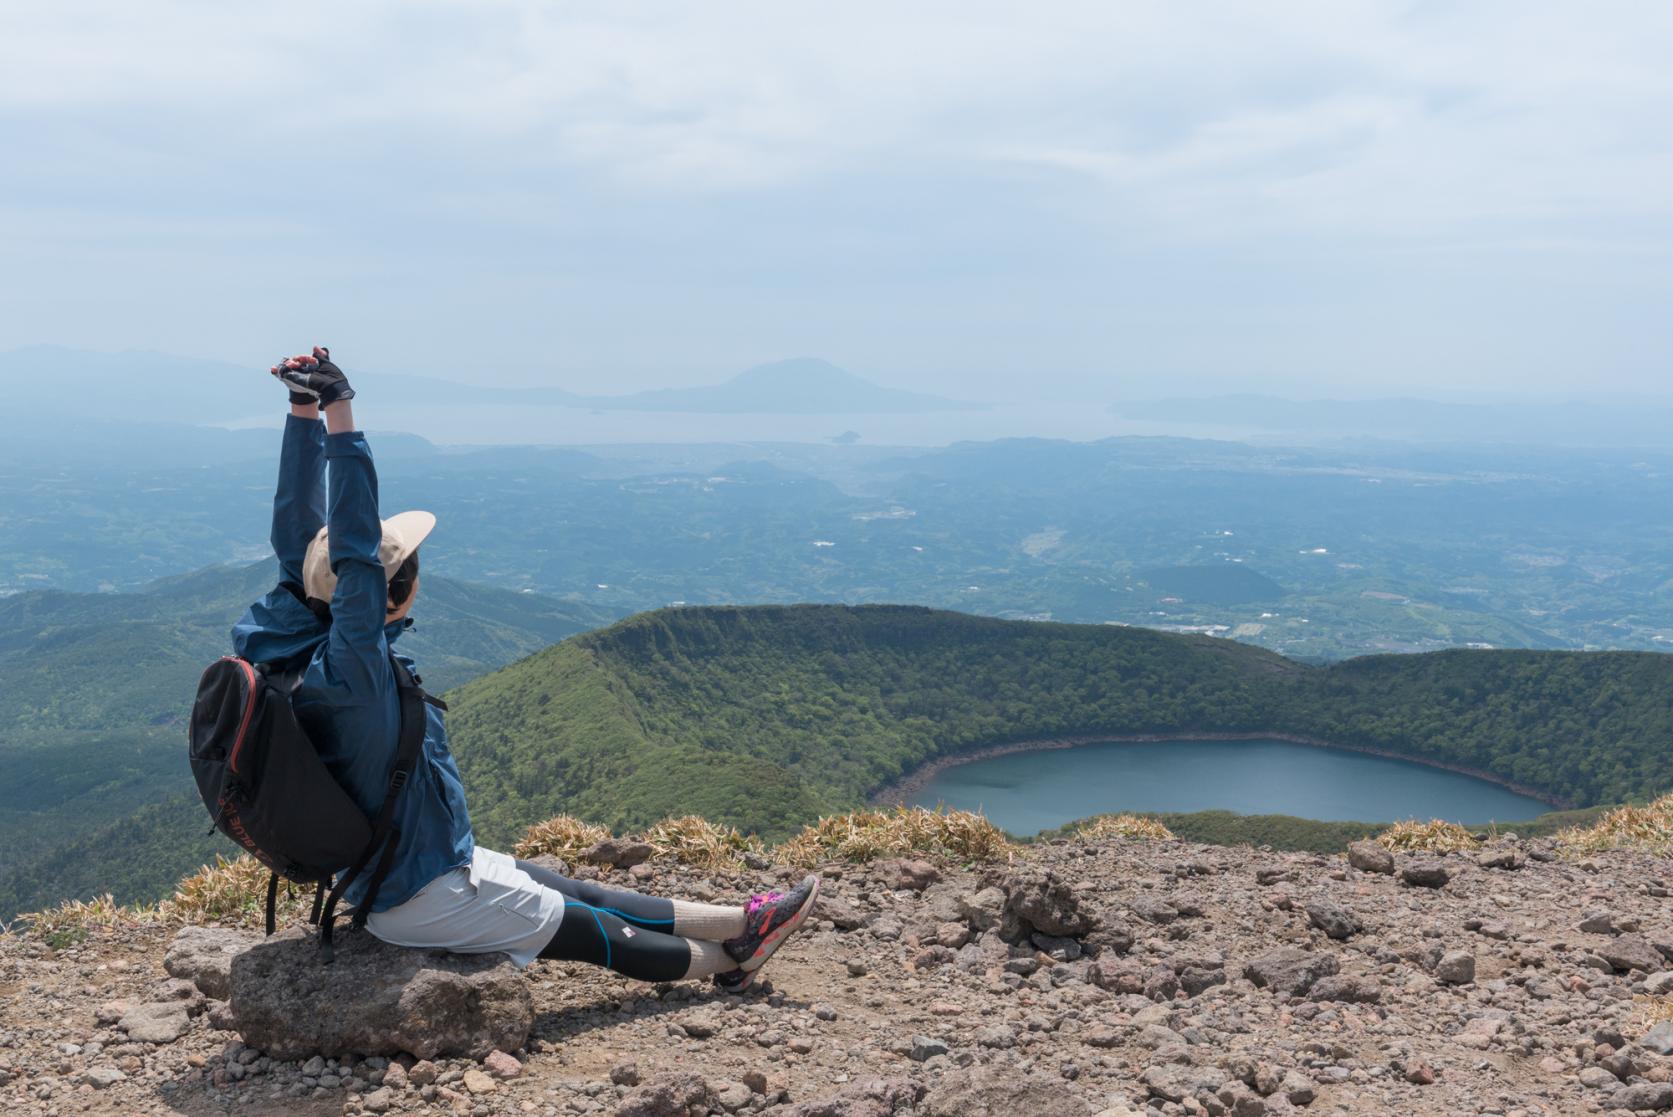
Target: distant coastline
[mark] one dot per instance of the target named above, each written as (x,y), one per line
(914,781)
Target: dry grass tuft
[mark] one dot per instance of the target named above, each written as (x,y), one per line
(1433,836)
(235,892)
(1124,826)
(1648,828)
(869,835)
(228,892)
(1652,1010)
(701,843)
(70,921)
(563,837)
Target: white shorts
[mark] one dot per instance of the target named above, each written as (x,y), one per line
(489,905)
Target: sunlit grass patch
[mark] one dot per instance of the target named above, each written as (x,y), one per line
(1123,826)
(700,843)
(70,922)
(235,892)
(1648,1011)
(1648,828)
(562,836)
(1434,836)
(862,836)
(228,892)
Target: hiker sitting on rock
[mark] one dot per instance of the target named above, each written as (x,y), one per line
(346,586)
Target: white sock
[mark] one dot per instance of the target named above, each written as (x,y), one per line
(709,922)
(708,958)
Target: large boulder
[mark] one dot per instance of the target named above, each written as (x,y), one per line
(203,956)
(156,1021)
(1631,952)
(1332,918)
(1369,857)
(843,915)
(1455,967)
(902,874)
(983,910)
(1643,1097)
(1036,900)
(1290,970)
(619,853)
(1426,874)
(674,1094)
(1345,987)
(376,999)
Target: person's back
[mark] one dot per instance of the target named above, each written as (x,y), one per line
(347,583)
(340,569)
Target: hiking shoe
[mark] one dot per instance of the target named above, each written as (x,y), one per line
(771,918)
(734,982)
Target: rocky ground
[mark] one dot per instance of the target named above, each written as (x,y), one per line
(1112,978)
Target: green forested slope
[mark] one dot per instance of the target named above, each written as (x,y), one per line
(766,717)
(136,856)
(1583,727)
(100,661)
(763,717)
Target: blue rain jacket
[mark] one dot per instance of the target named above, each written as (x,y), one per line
(347,700)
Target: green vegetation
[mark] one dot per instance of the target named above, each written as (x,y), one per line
(765,717)
(1276,830)
(136,857)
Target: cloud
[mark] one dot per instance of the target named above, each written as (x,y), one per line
(832,151)
(1286,106)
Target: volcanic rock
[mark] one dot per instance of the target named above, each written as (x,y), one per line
(1290,970)
(377,999)
(203,956)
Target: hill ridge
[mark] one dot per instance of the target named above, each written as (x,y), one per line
(765,716)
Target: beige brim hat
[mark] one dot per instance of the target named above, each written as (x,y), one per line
(401,536)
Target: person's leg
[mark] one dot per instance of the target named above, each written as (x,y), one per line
(709,922)
(592,934)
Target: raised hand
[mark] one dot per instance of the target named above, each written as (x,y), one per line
(313,378)
(297,398)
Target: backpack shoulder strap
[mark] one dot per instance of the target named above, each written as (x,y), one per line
(384,832)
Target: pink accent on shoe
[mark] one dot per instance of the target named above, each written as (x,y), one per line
(761,900)
(769,924)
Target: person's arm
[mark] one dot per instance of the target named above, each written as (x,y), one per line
(356,653)
(299,500)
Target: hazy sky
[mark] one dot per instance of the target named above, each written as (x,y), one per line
(986,199)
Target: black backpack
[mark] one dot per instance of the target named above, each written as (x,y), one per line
(268,790)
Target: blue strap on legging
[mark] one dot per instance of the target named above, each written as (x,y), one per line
(602,933)
(626,918)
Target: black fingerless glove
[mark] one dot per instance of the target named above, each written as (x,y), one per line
(317,380)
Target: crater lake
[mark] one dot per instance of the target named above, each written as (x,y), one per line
(1039,789)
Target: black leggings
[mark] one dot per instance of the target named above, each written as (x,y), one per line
(624,931)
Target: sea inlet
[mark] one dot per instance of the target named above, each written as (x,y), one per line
(1026,792)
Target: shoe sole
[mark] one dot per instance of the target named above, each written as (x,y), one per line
(783,931)
(740,988)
